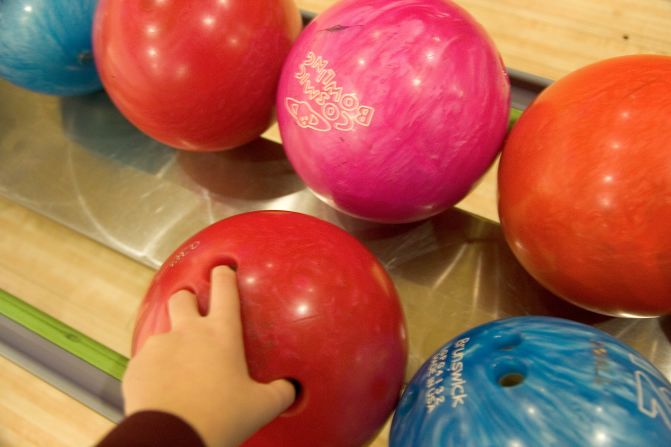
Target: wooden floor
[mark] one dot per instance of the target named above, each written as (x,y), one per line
(58,270)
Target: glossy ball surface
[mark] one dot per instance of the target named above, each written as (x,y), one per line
(317,307)
(195,75)
(585,187)
(390,110)
(45,46)
(534,381)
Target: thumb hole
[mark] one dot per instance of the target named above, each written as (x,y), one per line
(285,393)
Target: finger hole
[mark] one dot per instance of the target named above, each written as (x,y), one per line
(223,285)
(189,289)
(182,304)
(223,261)
(192,291)
(300,402)
(181,295)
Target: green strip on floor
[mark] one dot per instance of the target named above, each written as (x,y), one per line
(62,335)
(73,341)
(514,116)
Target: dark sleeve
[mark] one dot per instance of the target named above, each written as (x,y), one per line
(152,429)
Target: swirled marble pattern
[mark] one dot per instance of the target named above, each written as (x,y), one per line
(535,381)
(45,45)
(391,110)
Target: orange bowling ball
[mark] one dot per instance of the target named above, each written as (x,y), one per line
(585,187)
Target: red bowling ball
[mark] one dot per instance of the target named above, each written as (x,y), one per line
(317,307)
(585,187)
(195,75)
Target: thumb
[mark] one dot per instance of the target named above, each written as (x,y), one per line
(280,394)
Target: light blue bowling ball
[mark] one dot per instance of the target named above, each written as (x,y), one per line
(534,382)
(46,45)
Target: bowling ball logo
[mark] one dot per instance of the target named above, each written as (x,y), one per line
(333,107)
(437,391)
(306,116)
(391,110)
(534,381)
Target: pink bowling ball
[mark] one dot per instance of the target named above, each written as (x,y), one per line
(391,110)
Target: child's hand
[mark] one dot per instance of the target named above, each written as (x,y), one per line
(198,370)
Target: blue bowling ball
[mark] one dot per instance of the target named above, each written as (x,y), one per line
(46,46)
(534,382)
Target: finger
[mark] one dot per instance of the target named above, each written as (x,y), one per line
(224,298)
(182,306)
